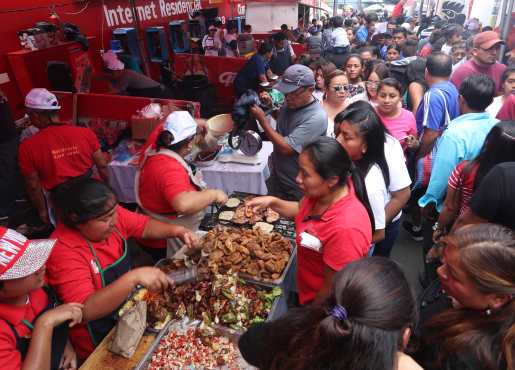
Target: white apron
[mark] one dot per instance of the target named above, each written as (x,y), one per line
(191,222)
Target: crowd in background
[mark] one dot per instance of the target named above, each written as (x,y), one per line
(381,128)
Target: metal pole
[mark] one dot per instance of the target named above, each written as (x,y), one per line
(141,45)
(335,7)
(505,24)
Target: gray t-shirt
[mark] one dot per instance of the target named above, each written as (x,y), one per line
(299,127)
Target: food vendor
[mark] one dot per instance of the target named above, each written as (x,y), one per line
(167,189)
(91,264)
(57,153)
(333,221)
(256,72)
(33,330)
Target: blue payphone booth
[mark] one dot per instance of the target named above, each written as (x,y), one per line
(238,22)
(179,36)
(130,56)
(157,45)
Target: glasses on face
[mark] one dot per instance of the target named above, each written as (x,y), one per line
(372,83)
(494,48)
(340,88)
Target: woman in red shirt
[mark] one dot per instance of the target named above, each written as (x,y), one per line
(90,263)
(333,220)
(167,189)
(33,329)
(499,147)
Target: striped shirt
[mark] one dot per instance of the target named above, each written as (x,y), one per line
(463,183)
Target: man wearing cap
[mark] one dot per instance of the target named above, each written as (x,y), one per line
(128,82)
(33,331)
(57,153)
(300,121)
(484,60)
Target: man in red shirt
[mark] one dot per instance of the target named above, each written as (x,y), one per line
(57,153)
(33,334)
(484,60)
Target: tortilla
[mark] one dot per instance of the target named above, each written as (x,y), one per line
(226,215)
(264,227)
(233,202)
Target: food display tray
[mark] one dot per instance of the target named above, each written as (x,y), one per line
(248,278)
(282,226)
(181,326)
(232,334)
(277,282)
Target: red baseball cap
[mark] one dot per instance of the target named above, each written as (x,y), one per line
(21,257)
(485,40)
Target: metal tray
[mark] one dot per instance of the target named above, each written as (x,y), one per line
(276,282)
(181,325)
(248,278)
(282,226)
(232,334)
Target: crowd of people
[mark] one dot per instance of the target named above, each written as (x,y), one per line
(380,128)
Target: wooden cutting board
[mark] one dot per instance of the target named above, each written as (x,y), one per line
(103,359)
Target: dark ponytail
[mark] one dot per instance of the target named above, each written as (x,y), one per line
(330,159)
(81,199)
(361,192)
(165,140)
(379,304)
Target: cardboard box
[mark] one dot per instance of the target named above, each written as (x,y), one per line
(142,127)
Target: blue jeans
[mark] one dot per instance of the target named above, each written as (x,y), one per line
(384,247)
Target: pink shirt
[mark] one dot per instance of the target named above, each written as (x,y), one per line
(400,126)
(470,67)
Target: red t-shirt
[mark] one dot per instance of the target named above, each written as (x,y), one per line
(58,153)
(345,233)
(162,178)
(470,67)
(507,111)
(72,270)
(10,358)
(464,183)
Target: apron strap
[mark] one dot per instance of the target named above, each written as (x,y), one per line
(171,154)
(97,261)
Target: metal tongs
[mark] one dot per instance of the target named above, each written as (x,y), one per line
(184,275)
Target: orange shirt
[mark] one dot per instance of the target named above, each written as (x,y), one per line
(58,153)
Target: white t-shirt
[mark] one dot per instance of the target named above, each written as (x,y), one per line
(339,37)
(446,49)
(211,45)
(378,195)
(399,175)
(496,105)
(330,128)
(319,95)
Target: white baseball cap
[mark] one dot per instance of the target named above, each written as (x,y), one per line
(21,257)
(181,125)
(41,99)
(112,62)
